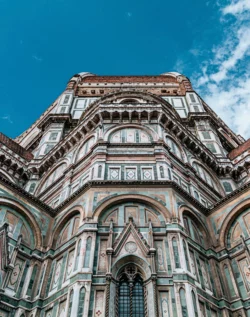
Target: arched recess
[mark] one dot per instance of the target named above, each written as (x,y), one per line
(50,177)
(128,271)
(146,96)
(124,260)
(230,220)
(142,214)
(179,146)
(84,146)
(131,198)
(198,223)
(110,132)
(208,177)
(27,215)
(74,211)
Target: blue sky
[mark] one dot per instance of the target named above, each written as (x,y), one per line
(44,42)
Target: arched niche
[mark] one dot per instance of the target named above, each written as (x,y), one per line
(134,198)
(51,177)
(142,214)
(68,219)
(123,261)
(207,176)
(144,97)
(230,229)
(85,147)
(132,269)
(130,133)
(239,228)
(195,228)
(21,221)
(176,147)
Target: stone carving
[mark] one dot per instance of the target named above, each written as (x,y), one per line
(130,247)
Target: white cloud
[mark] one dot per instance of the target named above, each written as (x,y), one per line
(224,80)
(238,52)
(237,7)
(7,118)
(37,58)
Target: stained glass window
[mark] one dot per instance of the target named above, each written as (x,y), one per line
(131,294)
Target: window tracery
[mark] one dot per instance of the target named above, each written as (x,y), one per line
(131,293)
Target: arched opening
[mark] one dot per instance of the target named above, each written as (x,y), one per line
(141,213)
(52,177)
(18,225)
(194,229)
(131,301)
(130,135)
(174,147)
(85,148)
(68,230)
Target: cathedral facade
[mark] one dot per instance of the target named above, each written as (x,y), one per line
(128,197)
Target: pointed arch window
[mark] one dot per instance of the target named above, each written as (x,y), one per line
(57,173)
(70,302)
(87,253)
(69,230)
(176,253)
(99,171)
(31,283)
(174,147)
(85,148)
(42,273)
(202,173)
(229,281)
(183,303)
(186,254)
(78,254)
(195,304)
(131,293)
(162,174)
(81,302)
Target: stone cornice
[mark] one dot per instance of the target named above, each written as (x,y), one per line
(168,122)
(20,191)
(94,184)
(136,145)
(234,194)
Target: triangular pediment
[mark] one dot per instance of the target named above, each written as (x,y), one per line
(130,241)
